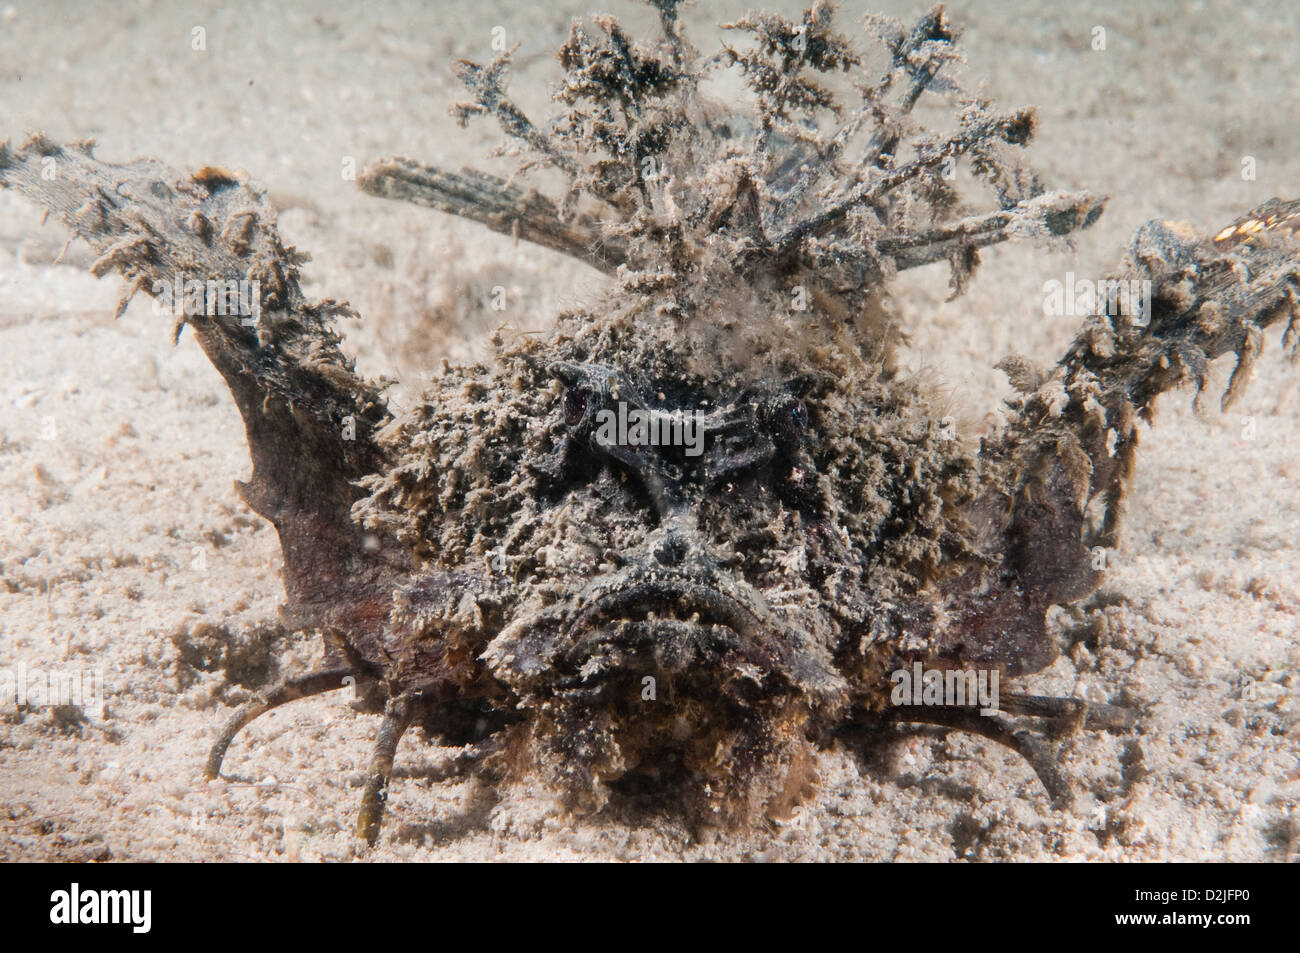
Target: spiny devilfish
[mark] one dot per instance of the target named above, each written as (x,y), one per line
(699,615)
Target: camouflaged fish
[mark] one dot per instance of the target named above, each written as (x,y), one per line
(695,532)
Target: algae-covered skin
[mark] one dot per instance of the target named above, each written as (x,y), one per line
(736,580)
(696,614)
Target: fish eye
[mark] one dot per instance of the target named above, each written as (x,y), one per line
(575,406)
(790,417)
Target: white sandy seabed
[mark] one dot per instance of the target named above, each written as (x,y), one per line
(125,550)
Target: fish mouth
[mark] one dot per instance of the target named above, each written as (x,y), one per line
(672,623)
(717,629)
(674,599)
